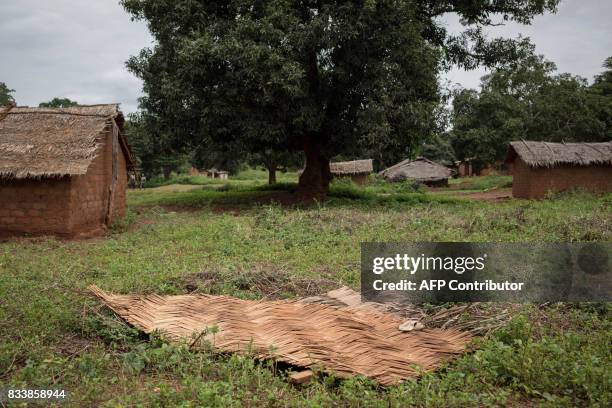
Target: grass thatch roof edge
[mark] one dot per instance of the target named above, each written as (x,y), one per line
(353,167)
(547,154)
(56,142)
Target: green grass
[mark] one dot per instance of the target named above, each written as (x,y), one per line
(53,334)
(247,177)
(480,183)
(261,176)
(182,179)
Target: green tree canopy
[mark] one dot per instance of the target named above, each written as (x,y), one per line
(58,103)
(153,153)
(528,100)
(439,149)
(323,77)
(220,156)
(603,82)
(5,95)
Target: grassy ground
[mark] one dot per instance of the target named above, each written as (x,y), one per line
(54,335)
(477,183)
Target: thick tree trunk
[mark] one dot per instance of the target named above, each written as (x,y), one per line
(271,175)
(167,171)
(315,179)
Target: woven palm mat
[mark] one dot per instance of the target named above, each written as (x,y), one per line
(345,341)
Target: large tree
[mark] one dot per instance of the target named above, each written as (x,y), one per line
(323,77)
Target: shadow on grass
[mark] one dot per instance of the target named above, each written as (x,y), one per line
(244,197)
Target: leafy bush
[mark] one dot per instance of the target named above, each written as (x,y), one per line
(378,184)
(345,188)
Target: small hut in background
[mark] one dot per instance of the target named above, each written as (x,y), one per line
(542,167)
(62,170)
(421,170)
(464,168)
(217,174)
(357,170)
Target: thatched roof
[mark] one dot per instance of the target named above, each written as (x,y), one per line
(419,169)
(55,142)
(345,341)
(351,167)
(544,154)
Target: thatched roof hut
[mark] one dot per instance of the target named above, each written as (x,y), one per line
(217,174)
(349,168)
(420,169)
(52,142)
(357,170)
(542,167)
(62,170)
(545,154)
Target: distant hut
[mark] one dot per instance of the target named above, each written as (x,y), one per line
(421,170)
(542,167)
(464,168)
(357,170)
(217,174)
(62,170)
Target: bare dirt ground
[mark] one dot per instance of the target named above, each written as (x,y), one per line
(491,195)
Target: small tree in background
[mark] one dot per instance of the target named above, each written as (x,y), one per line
(154,153)
(439,149)
(5,95)
(274,160)
(58,103)
(602,84)
(219,156)
(600,98)
(232,157)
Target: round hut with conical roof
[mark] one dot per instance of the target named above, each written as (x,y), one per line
(420,170)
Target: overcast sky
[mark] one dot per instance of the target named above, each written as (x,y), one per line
(78,48)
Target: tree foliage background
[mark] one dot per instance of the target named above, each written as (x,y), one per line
(6,97)
(58,103)
(153,153)
(529,100)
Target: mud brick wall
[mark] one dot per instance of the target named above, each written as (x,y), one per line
(121,188)
(34,206)
(90,193)
(66,206)
(528,182)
